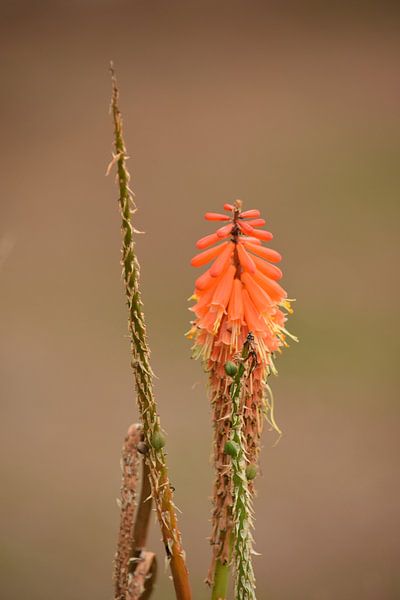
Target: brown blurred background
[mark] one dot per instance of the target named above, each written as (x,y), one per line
(293,107)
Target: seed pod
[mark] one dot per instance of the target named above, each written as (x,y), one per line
(230,368)
(158,440)
(231,448)
(251,471)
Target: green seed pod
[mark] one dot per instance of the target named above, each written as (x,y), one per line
(158,440)
(230,368)
(231,448)
(251,471)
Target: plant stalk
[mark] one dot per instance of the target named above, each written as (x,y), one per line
(155,455)
(241,540)
(242,505)
(221,580)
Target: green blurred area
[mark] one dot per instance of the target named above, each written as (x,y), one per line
(291,107)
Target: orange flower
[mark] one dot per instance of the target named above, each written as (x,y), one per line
(239,292)
(237,295)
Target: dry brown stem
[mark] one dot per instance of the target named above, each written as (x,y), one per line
(134,567)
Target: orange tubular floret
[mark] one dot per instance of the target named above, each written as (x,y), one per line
(235,308)
(266,236)
(256,222)
(253,321)
(208,240)
(249,238)
(204,281)
(245,259)
(224,231)
(201,295)
(260,298)
(266,253)
(219,265)
(246,228)
(201,306)
(229,207)
(250,214)
(279,317)
(204,257)
(224,336)
(269,270)
(210,216)
(273,289)
(207,321)
(223,290)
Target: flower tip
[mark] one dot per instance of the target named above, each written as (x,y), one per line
(245,259)
(205,257)
(224,231)
(246,228)
(207,241)
(211,216)
(250,214)
(261,234)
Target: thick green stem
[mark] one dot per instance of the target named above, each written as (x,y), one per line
(155,454)
(221,581)
(242,509)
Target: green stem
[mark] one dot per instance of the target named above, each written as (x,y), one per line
(221,581)
(242,506)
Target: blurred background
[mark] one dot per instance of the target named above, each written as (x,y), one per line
(292,107)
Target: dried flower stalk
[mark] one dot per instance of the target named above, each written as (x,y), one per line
(134,567)
(127,504)
(153,438)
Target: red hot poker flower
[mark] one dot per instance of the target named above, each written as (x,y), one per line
(241,274)
(238,294)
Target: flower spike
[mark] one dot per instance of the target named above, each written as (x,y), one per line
(237,298)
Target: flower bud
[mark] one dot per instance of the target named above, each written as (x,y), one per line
(251,472)
(231,448)
(158,440)
(230,368)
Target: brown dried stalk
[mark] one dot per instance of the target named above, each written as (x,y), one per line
(161,489)
(134,568)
